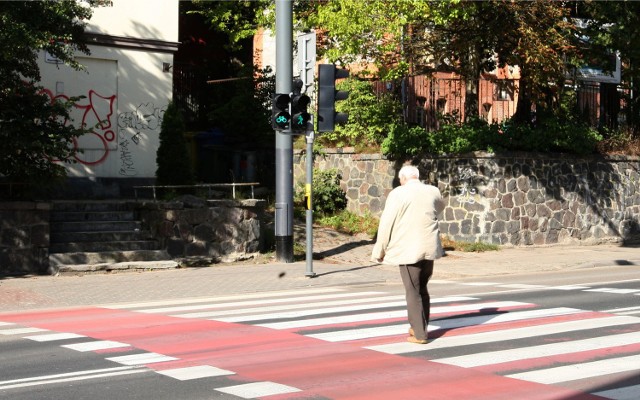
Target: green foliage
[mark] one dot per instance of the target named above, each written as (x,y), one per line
(242,108)
(328,196)
(172,158)
(370,116)
(553,133)
(34,131)
(405,141)
(468,247)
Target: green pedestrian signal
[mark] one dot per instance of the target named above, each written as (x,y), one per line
(301,117)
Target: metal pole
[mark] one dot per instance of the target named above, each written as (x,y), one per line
(309,197)
(284,140)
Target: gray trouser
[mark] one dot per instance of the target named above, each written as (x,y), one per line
(415,278)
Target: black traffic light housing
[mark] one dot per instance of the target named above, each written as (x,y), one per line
(280,117)
(299,103)
(328,95)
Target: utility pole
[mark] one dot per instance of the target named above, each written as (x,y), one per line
(284,139)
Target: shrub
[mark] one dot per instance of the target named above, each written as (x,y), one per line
(328,196)
(371,116)
(172,158)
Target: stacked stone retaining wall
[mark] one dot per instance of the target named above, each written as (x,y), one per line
(516,199)
(206,230)
(24,237)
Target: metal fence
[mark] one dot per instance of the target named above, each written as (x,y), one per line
(430,100)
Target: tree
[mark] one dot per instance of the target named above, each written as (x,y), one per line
(36,133)
(172,158)
(612,26)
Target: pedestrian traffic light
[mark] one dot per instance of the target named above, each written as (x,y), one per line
(328,95)
(299,103)
(280,117)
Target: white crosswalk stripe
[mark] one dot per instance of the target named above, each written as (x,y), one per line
(519,340)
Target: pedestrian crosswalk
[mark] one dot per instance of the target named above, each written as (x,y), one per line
(567,348)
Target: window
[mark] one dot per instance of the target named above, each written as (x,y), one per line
(504,90)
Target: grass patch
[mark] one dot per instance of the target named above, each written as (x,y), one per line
(350,223)
(469,247)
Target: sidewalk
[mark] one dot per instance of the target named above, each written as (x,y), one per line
(345,262)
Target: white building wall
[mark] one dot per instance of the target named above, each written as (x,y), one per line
(125,85)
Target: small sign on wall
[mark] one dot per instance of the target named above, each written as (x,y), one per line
(51,59)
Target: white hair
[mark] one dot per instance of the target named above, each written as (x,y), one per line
(409,172)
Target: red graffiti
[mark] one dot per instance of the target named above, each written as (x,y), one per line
(97,113)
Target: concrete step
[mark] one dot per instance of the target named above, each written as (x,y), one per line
(116,267)
(80,237)
(92,206)
(57,260)
(72,216)
(95,226)
(78,247)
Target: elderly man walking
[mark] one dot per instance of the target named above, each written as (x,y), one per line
(408,236)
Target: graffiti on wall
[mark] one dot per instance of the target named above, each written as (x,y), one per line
(146,117)
(96,113)
(465,190)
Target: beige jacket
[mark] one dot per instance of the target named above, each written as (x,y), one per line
(408,230)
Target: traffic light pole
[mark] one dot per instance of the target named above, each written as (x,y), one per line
(308,193)
(284,139)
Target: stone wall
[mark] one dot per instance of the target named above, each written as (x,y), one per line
(517,199)
(24,237)
(206,230)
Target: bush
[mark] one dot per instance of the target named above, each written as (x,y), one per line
(328,196)
(552,134)
(371,116)
(172,158)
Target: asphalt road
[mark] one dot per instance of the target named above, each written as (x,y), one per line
(552,335)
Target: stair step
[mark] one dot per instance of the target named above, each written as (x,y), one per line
(73,216)
(94,226)
(94,258)
(92,206)
(77,247)
(120,266)
(91,236)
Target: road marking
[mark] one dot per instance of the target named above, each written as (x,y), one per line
(303,313)
(20,331)
(404,347)
(569,287)
(7,323)
(141,359)
(621,310)
(572,346)
(305,323)
(521,286)
(70,377)
(258,389)
(614,290)
(581,371)
(530,331)
(197,372)
(53,337)
(303,304)
(244,296)
(95,346)
(330,310)
(480,283)
(238,304)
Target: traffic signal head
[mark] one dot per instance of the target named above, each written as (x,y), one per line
(328,95)
(300,116)
(280,117)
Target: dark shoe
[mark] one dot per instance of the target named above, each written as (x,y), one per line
(412,339)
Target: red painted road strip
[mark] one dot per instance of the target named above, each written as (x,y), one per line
(333,370)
